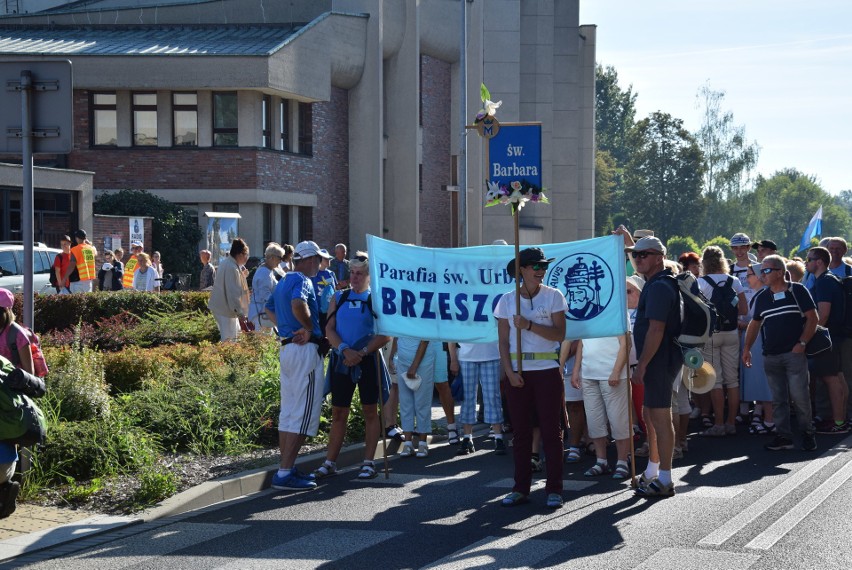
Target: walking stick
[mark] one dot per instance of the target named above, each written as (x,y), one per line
(379,371)
(630,413)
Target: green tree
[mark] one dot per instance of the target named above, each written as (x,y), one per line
(662,189)
(792,198)
(729,160)
(615,114)
(677,246)
(604,183)
(720,241)
(175,230)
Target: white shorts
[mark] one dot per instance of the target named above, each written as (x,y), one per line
(302,384)
(604,405)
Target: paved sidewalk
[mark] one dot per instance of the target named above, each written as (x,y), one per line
(33,528)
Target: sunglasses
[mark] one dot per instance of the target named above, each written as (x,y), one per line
(538,266)
(643,254)
(768,270)
(361,258)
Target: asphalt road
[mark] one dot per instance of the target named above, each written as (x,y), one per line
(737,507)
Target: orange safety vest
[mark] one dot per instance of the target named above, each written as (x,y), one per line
(84,255)
(129,269)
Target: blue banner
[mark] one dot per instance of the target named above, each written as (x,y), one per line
(450,294)
(514,154)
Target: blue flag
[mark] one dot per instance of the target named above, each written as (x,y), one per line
(450,294)
(814,229)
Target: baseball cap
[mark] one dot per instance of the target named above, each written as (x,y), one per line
(80,234)
(6,299)
(740,239)
(649,243)
(309,249)
(767,243)
(136,244)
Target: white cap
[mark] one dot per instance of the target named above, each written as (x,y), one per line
(309,249)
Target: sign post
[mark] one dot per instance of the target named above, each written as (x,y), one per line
(45,125)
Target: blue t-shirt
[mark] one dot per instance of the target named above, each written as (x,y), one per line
(659,301)
(293,286)
(781,320)
(8,453)
(324,286)
(827,289)
(353,319)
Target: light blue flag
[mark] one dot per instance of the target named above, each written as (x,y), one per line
(450,294)
(814,229)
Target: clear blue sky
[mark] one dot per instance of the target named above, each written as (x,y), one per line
(784,65)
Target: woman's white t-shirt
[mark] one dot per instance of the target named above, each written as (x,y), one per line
(478,352)
(540,311)
(719,279)
(145,281)
(599,355)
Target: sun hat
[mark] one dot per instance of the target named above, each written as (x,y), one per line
(648,243)
(639,234)
(412,383)
(637,281)
(701,380)
(309,249)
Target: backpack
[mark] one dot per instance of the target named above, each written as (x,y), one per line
(344,296)
(698,315)
(725,300)
(846,282)
(21,421)
(39,363)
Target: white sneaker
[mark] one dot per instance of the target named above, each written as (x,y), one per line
(423,450)
(695,413)
(407,450)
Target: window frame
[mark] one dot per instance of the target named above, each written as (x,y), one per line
(134,107)
(93,108)
(306,129)
(284,126)
(184,107)
(225,130)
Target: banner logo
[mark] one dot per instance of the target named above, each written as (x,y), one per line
(586,280)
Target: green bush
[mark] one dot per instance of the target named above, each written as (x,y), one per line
(99,447)
(76,387)
(677,246)
(722,242)
(129,369)
(154,486)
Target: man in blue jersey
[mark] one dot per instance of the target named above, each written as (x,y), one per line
(293,308)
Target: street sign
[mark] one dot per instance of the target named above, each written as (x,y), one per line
(51,106)
(514,154)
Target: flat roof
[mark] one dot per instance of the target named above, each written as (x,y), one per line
(180,40)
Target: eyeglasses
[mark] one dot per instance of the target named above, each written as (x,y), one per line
(768,270)
(643,254)
(538,266)
(361,258)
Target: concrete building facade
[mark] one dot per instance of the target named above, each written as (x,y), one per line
(326,119)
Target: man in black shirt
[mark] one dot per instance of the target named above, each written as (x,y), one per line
(785,316)
(826,366)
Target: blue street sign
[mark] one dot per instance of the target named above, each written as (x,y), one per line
(514,154)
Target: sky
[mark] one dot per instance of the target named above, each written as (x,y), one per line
(785,67)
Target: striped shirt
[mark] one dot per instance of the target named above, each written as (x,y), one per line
(780,316)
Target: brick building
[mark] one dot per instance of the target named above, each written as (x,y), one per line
(321,119)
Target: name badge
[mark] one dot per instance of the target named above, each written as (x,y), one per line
(779,296)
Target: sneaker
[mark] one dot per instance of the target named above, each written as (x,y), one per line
(677,453)
(832,428)
(499,446)
(730,429)
(707,421)
(466,447)
(423,450)
(779,443)
(407,450)
(715,431)
(695,413)
(554,501)
(8,497)
(292,481)
(809,442)
(395,433)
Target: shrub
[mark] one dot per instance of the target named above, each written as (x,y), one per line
(154,486)
(677,246)
(128,369)
(720,241)
(76,386)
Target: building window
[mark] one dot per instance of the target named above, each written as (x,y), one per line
(185,119)
(284,124)
(104,121)
(306,223)
(306,142)
(267,121)
(225,119)
(144,119)
(267,224)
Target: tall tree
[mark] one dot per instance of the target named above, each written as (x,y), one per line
(604,183)
(729,159)
(663,177)
(615,114)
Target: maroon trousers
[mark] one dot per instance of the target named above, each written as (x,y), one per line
(540,403)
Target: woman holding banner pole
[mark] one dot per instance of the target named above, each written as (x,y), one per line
(538,391)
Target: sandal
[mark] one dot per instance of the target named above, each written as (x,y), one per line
(327,469)
(572,455)
(757,428)
(597,469)
(395,433)
(591,449)
(368,471)
(513,499)
(407,451)
(621,472)
(656,489)
(452,436)
(706,421)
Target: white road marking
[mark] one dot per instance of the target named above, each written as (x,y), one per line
(794,516)
(751,512)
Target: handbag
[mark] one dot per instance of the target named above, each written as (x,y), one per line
(821,341)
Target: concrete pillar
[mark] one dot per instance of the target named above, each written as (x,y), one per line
(402,125)
(205,118)
(124,118)
(164,119)
(586,222)
(249,118)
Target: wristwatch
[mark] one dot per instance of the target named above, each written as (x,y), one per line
(363,352)
(803,343)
